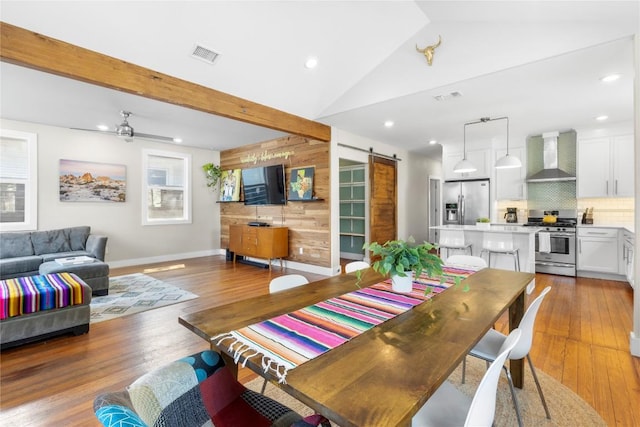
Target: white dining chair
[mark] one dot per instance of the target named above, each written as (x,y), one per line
(448,406)
(282,283)
(355,265)
(491,344)
(287,281)
(466,261)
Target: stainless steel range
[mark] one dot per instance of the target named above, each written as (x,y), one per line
(556,241)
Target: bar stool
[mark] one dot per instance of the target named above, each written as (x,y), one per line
(453,240)
(501,244)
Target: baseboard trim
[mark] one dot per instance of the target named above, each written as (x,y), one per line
(163,258)
(634,344)
(326,271)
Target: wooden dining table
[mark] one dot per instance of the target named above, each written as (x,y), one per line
(383,376)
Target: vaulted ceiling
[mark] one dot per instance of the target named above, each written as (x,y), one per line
(537,62)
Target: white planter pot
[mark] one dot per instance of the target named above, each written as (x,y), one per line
(402,284)
(483,225)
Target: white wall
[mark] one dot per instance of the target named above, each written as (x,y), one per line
(634,336)
(420,168)
(129,242)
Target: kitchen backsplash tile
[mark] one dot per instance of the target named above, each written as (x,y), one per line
(605,210)
(502,206)
(609,210)
(552,195)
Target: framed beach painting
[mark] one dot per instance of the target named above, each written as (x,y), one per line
(301,184)
(82,181)
(230,185)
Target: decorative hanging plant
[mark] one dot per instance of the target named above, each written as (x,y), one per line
(212,173)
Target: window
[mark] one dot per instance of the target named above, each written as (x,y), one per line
(18,180)
(166,188)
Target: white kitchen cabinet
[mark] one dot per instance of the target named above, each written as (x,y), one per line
(510,183)
(598,250)
(622,166)
(479,158)
(605,167)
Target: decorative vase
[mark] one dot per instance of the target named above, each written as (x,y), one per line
(402,284)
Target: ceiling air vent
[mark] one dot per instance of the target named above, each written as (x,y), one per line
(447,96)
(204,54)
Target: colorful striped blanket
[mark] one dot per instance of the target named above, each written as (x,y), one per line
(24,295)
(291,339)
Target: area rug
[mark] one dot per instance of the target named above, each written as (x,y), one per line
(135,293)
(567,408)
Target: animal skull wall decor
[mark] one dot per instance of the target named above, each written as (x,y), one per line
(429,51)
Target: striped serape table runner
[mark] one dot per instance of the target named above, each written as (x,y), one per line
(291,339)
(29,294)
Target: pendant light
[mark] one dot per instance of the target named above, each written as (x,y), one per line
(464,165)
(507,161)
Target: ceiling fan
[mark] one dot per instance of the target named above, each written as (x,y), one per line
(125,131)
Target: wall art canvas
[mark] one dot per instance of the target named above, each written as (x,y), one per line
(82,181)
(301,185)
(230,185)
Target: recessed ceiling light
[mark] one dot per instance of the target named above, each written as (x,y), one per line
(610,78)
(432,141)
(602,118)
(103,127)
(388,124)
(177,140)
(311,62)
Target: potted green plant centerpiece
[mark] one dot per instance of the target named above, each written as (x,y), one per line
(212,173)
(401,260)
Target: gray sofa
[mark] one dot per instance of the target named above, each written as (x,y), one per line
(30,253)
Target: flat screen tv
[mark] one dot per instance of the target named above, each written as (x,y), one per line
(264,185)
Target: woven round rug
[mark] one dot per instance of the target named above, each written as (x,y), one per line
(566,407)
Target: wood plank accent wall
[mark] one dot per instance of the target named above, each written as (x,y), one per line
(308,221)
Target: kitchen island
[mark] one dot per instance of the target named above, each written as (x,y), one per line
(524,239)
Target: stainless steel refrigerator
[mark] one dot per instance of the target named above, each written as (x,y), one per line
(465,201)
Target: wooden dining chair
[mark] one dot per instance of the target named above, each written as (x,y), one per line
(448,406)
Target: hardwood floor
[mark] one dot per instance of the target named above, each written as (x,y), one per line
(582,340)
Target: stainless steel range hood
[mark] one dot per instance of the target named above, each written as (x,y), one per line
(551,171)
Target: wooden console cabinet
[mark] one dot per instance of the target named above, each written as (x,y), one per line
(259,242)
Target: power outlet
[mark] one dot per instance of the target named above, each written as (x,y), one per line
(301,251)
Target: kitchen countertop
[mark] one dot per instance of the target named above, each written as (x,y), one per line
(626,226)
(495,228)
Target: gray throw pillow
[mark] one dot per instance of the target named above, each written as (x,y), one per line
(50,241)
(14,245)
(77,237)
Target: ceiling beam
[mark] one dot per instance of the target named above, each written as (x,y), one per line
(32,50)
